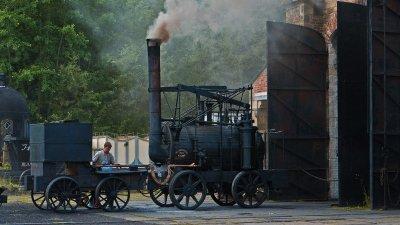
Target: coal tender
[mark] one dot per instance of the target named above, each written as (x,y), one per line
(208,147)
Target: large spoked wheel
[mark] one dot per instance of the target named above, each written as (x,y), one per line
(112,194)
(88,199)
(187,190)
(248,189)
(63,195)
(159,195)
(221,194)
(39,200)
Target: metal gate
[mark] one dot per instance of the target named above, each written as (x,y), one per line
(297,120)
(386,103)
(352,104)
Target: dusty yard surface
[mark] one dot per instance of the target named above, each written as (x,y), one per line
(145,212)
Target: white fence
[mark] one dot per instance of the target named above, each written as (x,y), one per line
(124,149)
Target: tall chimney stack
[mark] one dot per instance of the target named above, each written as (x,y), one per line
(156,153)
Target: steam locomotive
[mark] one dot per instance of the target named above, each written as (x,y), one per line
(210,147)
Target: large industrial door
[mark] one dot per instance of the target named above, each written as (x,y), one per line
(297,123)
(358,112)
(352,104)
(386,103)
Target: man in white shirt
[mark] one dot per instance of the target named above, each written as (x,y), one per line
(104,157)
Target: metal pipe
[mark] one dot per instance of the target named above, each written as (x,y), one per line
(246,135)
(156,154)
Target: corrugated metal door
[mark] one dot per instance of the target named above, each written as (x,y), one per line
(297,117)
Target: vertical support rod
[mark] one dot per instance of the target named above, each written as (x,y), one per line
(385,184)
(370,108)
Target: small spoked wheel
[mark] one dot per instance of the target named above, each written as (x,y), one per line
(249,189)
(63,195)
(187,190)
(88,199)
(112,194)
(159,195)
(39,200)
(221,194)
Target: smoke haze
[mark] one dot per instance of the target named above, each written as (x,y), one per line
(189,17)
(209,42)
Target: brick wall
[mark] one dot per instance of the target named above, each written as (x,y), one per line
(259,101)
(260,84)
(320,15)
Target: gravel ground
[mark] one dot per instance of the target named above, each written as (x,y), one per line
(23,213)
(145,212)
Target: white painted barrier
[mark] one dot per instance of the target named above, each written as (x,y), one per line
(124,148)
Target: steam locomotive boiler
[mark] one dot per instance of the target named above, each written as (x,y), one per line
(208,147)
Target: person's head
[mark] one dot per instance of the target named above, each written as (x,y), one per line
(107,147)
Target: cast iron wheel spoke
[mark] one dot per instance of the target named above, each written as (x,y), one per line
(187,201)
(252,193)
(178,189)
(165,199)
(159,194)
(196,183)
(39,202)
(39,198)
(106,200)
(120,199)
(71,194)
(116,201)
(194,198)
(221,194)
(180,197)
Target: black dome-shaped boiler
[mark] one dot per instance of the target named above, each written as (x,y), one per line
(14,112)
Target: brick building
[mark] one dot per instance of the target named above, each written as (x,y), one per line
(319,15)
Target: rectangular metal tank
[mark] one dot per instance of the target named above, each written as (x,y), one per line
(61,142)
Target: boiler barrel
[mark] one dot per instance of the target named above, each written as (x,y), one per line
(208,140)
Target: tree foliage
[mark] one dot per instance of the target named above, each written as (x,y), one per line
(87,60)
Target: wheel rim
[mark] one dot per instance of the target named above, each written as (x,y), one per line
(23,175)
(187,190)
(159,195)
(112,194)
(221,194)
(248,189)
(63,195)
(39,200)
